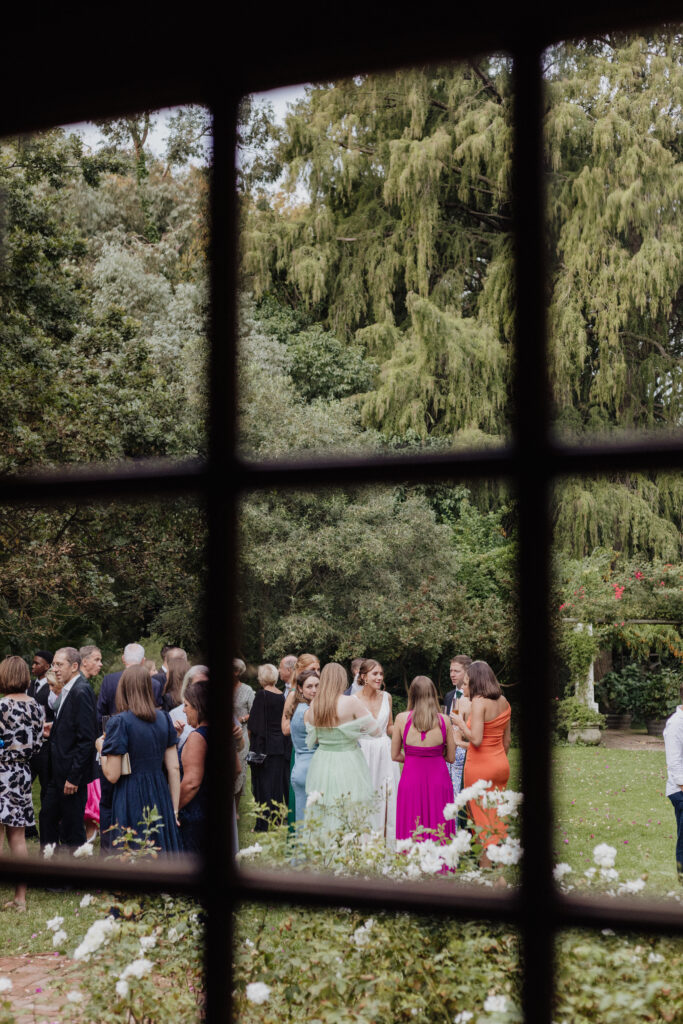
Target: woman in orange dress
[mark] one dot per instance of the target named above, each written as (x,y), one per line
(488,732)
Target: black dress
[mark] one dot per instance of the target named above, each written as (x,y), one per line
(270,780)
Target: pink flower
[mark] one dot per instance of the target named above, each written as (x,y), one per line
(638,574)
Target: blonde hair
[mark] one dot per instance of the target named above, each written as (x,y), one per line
(333,682)
(423,701)
(267,675)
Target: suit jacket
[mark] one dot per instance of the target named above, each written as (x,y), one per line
(106,702)
(39,762)
(449,698)
(71,747)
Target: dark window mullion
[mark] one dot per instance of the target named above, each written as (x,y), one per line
(531,409)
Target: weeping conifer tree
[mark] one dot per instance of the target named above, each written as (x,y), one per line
(403,246)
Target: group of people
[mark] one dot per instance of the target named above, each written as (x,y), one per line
(320,741)
(104,762)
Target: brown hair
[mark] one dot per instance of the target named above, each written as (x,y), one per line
(197,696)
(366,667)
(461,659)
(483,682)
(333,682)
(134,693)
(423,701)
(177,667)
(295,696)
(14,675)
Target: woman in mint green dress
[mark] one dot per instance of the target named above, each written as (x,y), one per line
(338,781)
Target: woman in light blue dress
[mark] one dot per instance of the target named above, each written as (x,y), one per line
(306,688)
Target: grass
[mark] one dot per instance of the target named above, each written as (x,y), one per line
(615,797)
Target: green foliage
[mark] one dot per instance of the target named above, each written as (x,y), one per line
(658,695)
(615,691)
(321,367)
(580,648)
(573,713)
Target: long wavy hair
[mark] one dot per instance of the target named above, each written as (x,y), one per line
(423,701)
(333,682)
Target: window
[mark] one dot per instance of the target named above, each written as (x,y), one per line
(68,77)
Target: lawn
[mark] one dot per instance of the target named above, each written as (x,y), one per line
(615,797)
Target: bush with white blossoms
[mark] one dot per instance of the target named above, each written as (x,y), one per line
(143,955)
(339,841)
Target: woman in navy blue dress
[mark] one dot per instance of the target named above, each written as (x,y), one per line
(149,738)
(194,795)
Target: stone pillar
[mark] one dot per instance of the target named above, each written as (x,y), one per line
(585,691)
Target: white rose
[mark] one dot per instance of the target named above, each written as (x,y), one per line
(313,798)
(87,900)
(463,1017)
(495,1004)
(75,996)
(59,938)
(54,923)
(5,985)
(560,870)
(258,992)
(137,969)
(604,855)
(122,989)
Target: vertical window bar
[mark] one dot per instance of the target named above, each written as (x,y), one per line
(219,870)
(532,424)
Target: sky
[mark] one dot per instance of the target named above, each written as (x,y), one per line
(279,98)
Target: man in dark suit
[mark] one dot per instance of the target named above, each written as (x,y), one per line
(459,666)
(70,754)
(133,654)
(40,691)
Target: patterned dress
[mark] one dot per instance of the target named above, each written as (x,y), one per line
(21,730)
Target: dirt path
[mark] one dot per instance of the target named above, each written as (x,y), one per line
(33,997)
(627,739)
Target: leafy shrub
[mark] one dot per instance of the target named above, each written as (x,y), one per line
(658,695)
(616,690)
(572,714)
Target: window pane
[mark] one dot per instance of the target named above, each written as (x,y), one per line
(377,267)
(103,283)
(618,675)
(380,587)
(612,148)
(393,967)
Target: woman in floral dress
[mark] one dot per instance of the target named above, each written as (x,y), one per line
(21,730)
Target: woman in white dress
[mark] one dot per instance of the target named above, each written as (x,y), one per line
(384,772)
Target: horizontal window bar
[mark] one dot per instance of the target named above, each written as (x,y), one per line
(161,875)
(162,476)
(453,901)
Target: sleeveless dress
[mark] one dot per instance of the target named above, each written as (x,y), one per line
(384,774)
(302,760)
(489,761)
(338,772)
(193,815)
(146,786)
(425,788)
(21,730)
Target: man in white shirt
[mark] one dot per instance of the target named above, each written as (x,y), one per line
(673,745)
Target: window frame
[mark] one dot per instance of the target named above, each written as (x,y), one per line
(532,462)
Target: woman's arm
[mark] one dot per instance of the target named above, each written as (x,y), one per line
(287,714)
(194,761)
(507,736)
(390,722)
(450,741)
(173,771)
(397,751)
(475,733)
(111,767)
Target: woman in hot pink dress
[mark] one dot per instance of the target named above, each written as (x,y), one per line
(424,741)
